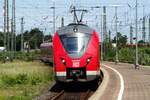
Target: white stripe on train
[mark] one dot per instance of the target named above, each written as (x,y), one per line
(88,73)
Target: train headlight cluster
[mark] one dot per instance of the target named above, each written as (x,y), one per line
(63,61)
(88,60)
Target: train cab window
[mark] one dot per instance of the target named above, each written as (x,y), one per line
(76,44)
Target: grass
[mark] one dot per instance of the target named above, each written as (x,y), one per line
(23,80)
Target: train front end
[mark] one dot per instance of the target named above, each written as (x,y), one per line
(76,54)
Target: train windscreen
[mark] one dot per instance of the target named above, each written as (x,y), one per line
(75,45)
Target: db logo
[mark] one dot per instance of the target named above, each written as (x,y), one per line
(76,63)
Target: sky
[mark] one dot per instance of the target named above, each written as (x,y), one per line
(37,13)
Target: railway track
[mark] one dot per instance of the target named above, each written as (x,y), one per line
(72,95)
(71,91)
(58,95)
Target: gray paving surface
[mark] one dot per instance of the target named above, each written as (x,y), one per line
(112,88)
(137,82)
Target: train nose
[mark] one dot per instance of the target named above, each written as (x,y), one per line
(75,74)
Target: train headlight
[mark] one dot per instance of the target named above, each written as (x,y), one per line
(88,60)
(63,61)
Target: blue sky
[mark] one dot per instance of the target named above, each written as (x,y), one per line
(34,12)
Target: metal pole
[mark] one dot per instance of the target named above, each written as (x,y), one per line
(149,31)
(116,35)
(7,13)
(131,34)
(54,17)
(12,41)
(101,38)
(101,35)
(136,31)
(14,27)
(12,32)
(109,37)
(22,38)
(62,22)
(5,39)
(143,30)
(53,7)
(74,16)
(104,31)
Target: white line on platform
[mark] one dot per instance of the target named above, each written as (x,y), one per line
(121,85)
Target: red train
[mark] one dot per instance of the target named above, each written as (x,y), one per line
(46,52)
(76,54)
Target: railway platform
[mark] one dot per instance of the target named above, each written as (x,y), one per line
(124,82)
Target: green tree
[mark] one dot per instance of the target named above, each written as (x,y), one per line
(34,38)
(48,38)
(122,40)
(141,42)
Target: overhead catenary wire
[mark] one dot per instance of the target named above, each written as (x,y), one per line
(43,9)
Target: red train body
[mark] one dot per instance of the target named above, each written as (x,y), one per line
(76,54)
(46,52)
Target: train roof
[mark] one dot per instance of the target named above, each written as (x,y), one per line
(75,28)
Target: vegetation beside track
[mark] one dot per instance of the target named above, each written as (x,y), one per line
(23,56)
(126,51)
(20,80)
(127,55)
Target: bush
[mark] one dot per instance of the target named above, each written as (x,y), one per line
(21,79)
(110,55)
(14,80)
(127,55)
(8,80)
(6,56)
(144,56)
(35,80)
(26,56)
